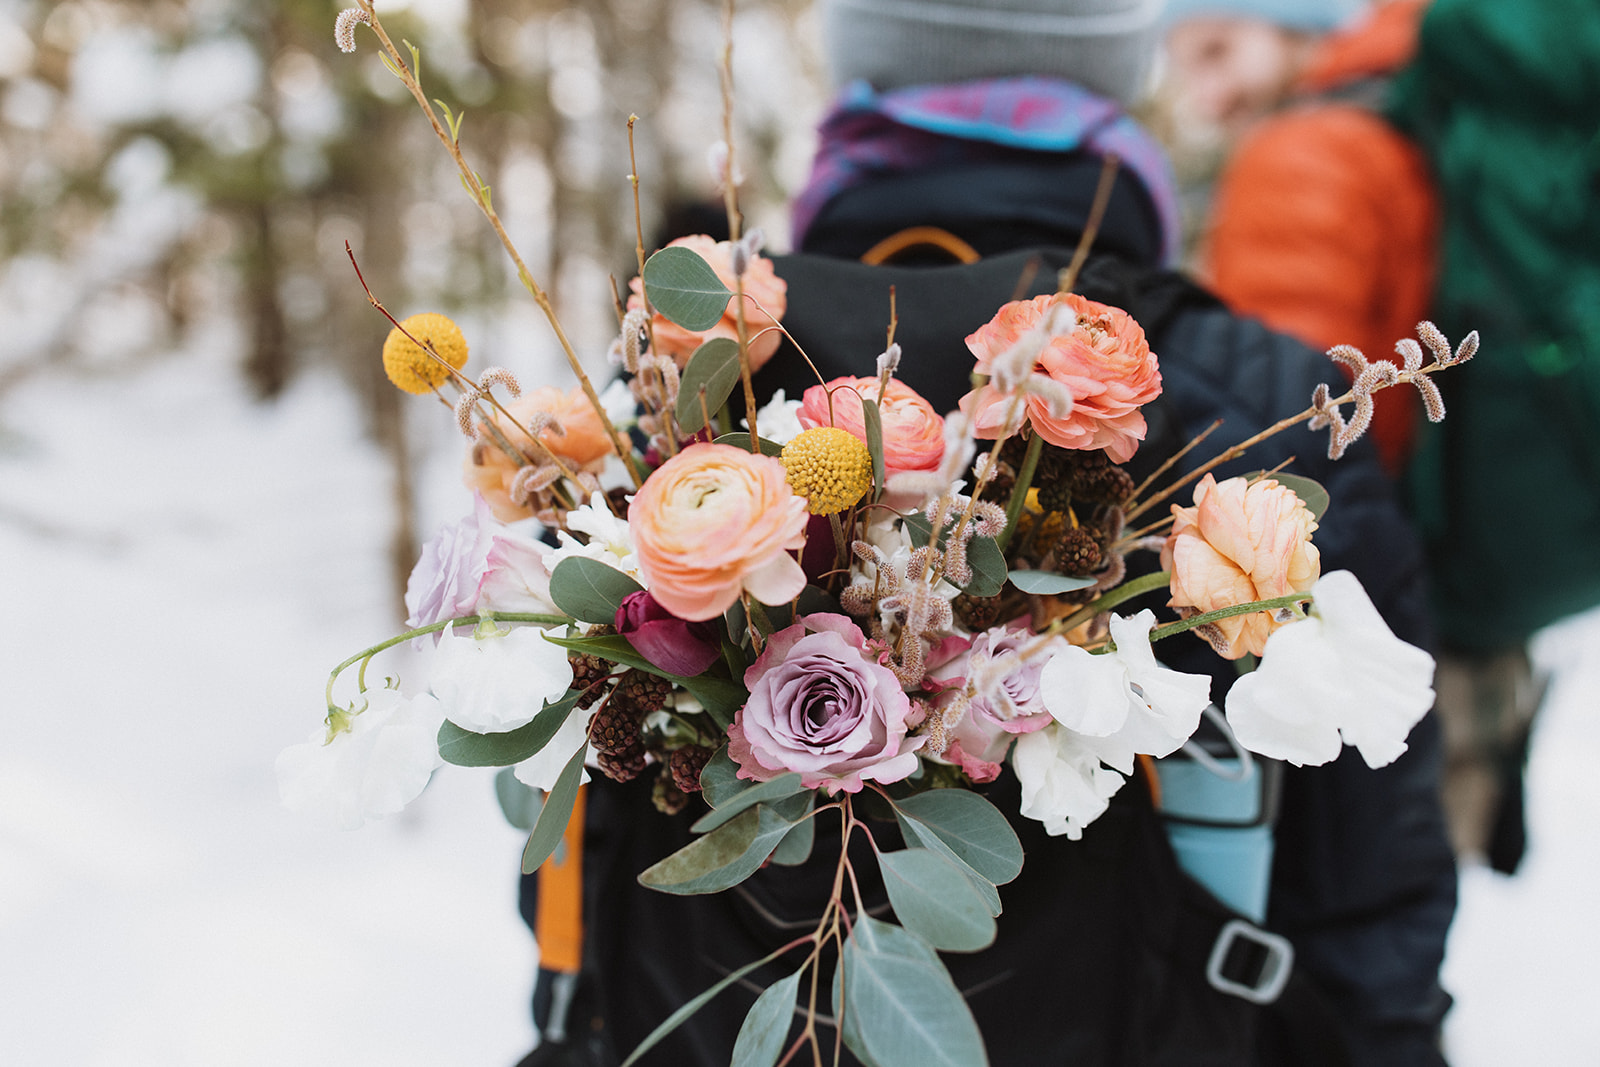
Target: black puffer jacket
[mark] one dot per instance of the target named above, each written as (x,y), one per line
(1102,942)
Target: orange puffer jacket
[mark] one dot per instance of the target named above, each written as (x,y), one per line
(1325,220)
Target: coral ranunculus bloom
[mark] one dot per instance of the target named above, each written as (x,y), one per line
(490,471)
(713,521)
(1103,361)
(913,433)
(761,285)
(1240,542)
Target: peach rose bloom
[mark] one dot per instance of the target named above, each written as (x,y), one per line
(489,471)
(1241,541)
(713,521)
(1103,361)
(760,283)
(913,433)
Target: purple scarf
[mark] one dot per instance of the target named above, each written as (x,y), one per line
(869,134)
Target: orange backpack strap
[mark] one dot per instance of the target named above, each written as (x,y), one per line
(916,236)
(558,923)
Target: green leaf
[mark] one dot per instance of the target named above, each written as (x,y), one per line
(741,439)
(675,1020)
(684,288)
(724,857)
(906,1010)
(552,824)
(589,590)
(721,697)
(973,828)
(761,1038)
(714,367)
(919,836)
(785,785)
(464,748)
(1309,490)
(519,802)
(1047,583)
(872,420)
(795,848)
(934,898)
(719,778)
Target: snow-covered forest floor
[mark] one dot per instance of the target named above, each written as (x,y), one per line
(181,569)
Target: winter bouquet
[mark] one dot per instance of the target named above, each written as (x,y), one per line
(853,598)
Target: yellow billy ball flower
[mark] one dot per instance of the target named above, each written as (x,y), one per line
(830,467)
(413,369)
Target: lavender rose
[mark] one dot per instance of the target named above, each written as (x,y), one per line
(478,564)
(676,645)
(820,705)
(999,693)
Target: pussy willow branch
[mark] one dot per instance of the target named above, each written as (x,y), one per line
(730,200)
(408,78)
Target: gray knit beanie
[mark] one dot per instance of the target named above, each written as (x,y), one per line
(1103,45)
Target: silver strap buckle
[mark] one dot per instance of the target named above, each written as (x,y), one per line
(1249,962)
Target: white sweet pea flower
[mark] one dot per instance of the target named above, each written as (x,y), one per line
(1124,699)
(499,681)
(1064,784)
(374,763)
(541,769)
(619,404)
(1339,675)
(778,420)
(610,540)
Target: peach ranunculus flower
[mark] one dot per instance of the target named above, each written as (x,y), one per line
(760,283)
(713,521)
(913,433)
(1103,360)
(488,469)
(1242,541)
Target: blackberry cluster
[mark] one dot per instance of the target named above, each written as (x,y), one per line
(667,797)
(645,691)
(589,670)
(976,612)
(1097,479)
(623,766)
(615,727)
(1078,552)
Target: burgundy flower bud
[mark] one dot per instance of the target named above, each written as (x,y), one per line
(675,645)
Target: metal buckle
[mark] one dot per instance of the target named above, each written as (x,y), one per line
(1264,959)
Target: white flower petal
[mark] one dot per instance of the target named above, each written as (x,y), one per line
(499,682)
(543,768)
(1085,692)
(1063,783)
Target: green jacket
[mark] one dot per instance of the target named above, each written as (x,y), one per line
(1505,100)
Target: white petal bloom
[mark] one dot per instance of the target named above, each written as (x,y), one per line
(374,767)
(543,768)
(778,420)
(1064,784)
(1124,699)
(498,682)
(1339,675)
(610,540)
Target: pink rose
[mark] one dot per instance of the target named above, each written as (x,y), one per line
(713,521)
(822,706)
(1103,361)
(1005,698)
(488,470)
(761,286)
(1242,541)
(913,433)
(478,564)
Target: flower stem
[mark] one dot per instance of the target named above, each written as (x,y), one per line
(1124,592)
(1254,606)
(1019,492)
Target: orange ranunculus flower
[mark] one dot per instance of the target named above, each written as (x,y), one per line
(1103,361)
(760,283)
(712,521)
(584,446)
(913,433)
(1242,541)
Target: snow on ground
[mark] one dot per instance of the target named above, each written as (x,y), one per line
(181,569)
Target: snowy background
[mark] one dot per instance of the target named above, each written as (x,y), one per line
(181,569)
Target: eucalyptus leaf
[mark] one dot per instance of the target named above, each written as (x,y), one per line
(723,858)
(1048,583)
(785,785)
(918,836)
(934,898)
(795,848)
(714,367)
(907,1012)
(761,1038)
(464,748)
(988,563)
(683,287)
(589,590)
(520,803)
(740,439)
(872,421)
(719,778)
(552,824)
(1310,491)
(974,829)
(720,697)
